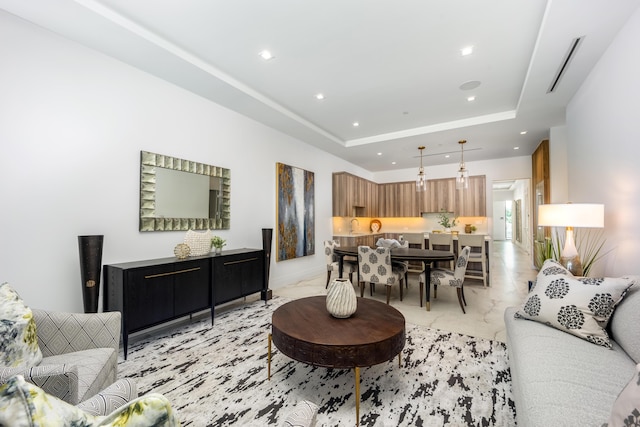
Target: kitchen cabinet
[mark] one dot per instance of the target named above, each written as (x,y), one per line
(359,240)
(472,201)
(354,196)
(398,199)
(440,195)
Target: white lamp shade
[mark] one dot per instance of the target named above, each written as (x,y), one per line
(588,215)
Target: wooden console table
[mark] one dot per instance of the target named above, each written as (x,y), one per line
(152,292)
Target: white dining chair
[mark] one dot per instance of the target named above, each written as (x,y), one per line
(478,255)
(348,267)
(375,266)
(442,242)
(446,277)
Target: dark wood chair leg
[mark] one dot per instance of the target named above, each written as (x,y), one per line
(372,288)
(421,285)
(328,277)
(389,292)
(361,289)
(435,291)
(462,292)
(400,290)
(460,299)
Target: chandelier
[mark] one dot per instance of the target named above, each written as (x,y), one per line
(421,180)
(462,177)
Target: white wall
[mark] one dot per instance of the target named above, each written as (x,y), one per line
(72,124)
(603,147)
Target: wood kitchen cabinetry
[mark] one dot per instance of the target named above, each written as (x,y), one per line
(366,240)
(354,196)
(472,201)
(151,292)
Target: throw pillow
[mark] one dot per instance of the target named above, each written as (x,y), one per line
(626,408)
(198,242)
(23,404)
(581,306)
(18,338)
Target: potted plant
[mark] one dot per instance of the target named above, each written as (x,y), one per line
(218,243)
(445,221)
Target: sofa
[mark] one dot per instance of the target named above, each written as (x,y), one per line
(563,379)
(71,356)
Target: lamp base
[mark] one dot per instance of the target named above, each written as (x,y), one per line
(572,264)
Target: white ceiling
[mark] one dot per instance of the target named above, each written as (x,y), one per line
(393,66)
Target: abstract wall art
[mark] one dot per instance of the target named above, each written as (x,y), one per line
(296,212)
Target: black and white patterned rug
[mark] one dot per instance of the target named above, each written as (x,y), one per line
(218,377)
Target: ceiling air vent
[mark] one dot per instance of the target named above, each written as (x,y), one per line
(573,48)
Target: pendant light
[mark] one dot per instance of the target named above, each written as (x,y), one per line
(421,180)
(462,177)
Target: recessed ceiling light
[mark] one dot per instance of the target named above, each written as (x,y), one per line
(319,96)
(393,163)
(356,124)
(379,154)
(524,132)
(516,148)
(471,98)
(266,55)
(447,156)
(468,50)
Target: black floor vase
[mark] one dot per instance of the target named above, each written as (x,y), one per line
(90,267)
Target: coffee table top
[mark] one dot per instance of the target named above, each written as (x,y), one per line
(305,331)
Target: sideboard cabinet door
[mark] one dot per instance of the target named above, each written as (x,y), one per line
(191,290)
(236,276)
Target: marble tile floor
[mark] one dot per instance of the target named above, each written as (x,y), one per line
(510,267)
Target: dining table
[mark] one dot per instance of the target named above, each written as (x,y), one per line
(426,256)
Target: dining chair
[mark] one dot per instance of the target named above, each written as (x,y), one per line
(375,266)
(478,255)
(415,240)
(455,278)
(442,242)
(332,263)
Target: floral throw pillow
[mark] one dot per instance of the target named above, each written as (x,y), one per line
(626,408)
(18,339)
(23,404)
(581,306)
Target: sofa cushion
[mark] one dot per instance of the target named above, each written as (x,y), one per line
(626,409)
(560,379)
(18,338)
(580,306)
(628,313)
(25,405)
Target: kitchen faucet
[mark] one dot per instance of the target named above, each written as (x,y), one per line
(357,224)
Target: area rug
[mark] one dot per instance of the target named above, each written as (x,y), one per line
(217,376)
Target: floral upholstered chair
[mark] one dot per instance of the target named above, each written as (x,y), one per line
(443,276)
(349,267)
(375,267)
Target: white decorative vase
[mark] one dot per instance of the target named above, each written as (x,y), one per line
(341,299)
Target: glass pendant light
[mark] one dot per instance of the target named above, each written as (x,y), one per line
(462,177)
(421,180)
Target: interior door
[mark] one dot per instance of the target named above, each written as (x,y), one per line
(499,220)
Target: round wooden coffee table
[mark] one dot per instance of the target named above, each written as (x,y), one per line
(305,331)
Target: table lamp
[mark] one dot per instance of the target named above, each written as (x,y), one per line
(570,215)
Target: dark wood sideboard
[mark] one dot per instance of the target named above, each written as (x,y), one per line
(152,292)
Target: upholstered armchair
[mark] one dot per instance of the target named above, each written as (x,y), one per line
(80,354)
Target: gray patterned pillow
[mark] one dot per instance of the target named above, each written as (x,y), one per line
(18,339)
(626,408)
(581,306)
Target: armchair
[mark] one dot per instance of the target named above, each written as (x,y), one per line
(80,354)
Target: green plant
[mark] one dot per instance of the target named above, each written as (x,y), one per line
(473,228)
(445,221)
(589,243)
(218,242)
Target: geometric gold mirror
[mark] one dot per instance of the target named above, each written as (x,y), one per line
(177,194)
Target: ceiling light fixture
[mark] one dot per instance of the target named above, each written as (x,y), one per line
(379,154)
(266,55)
(471,98)
(421,181)
(356,124)
(468,50)
(516,148)
(462,177)
(319,96)
(524,132)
